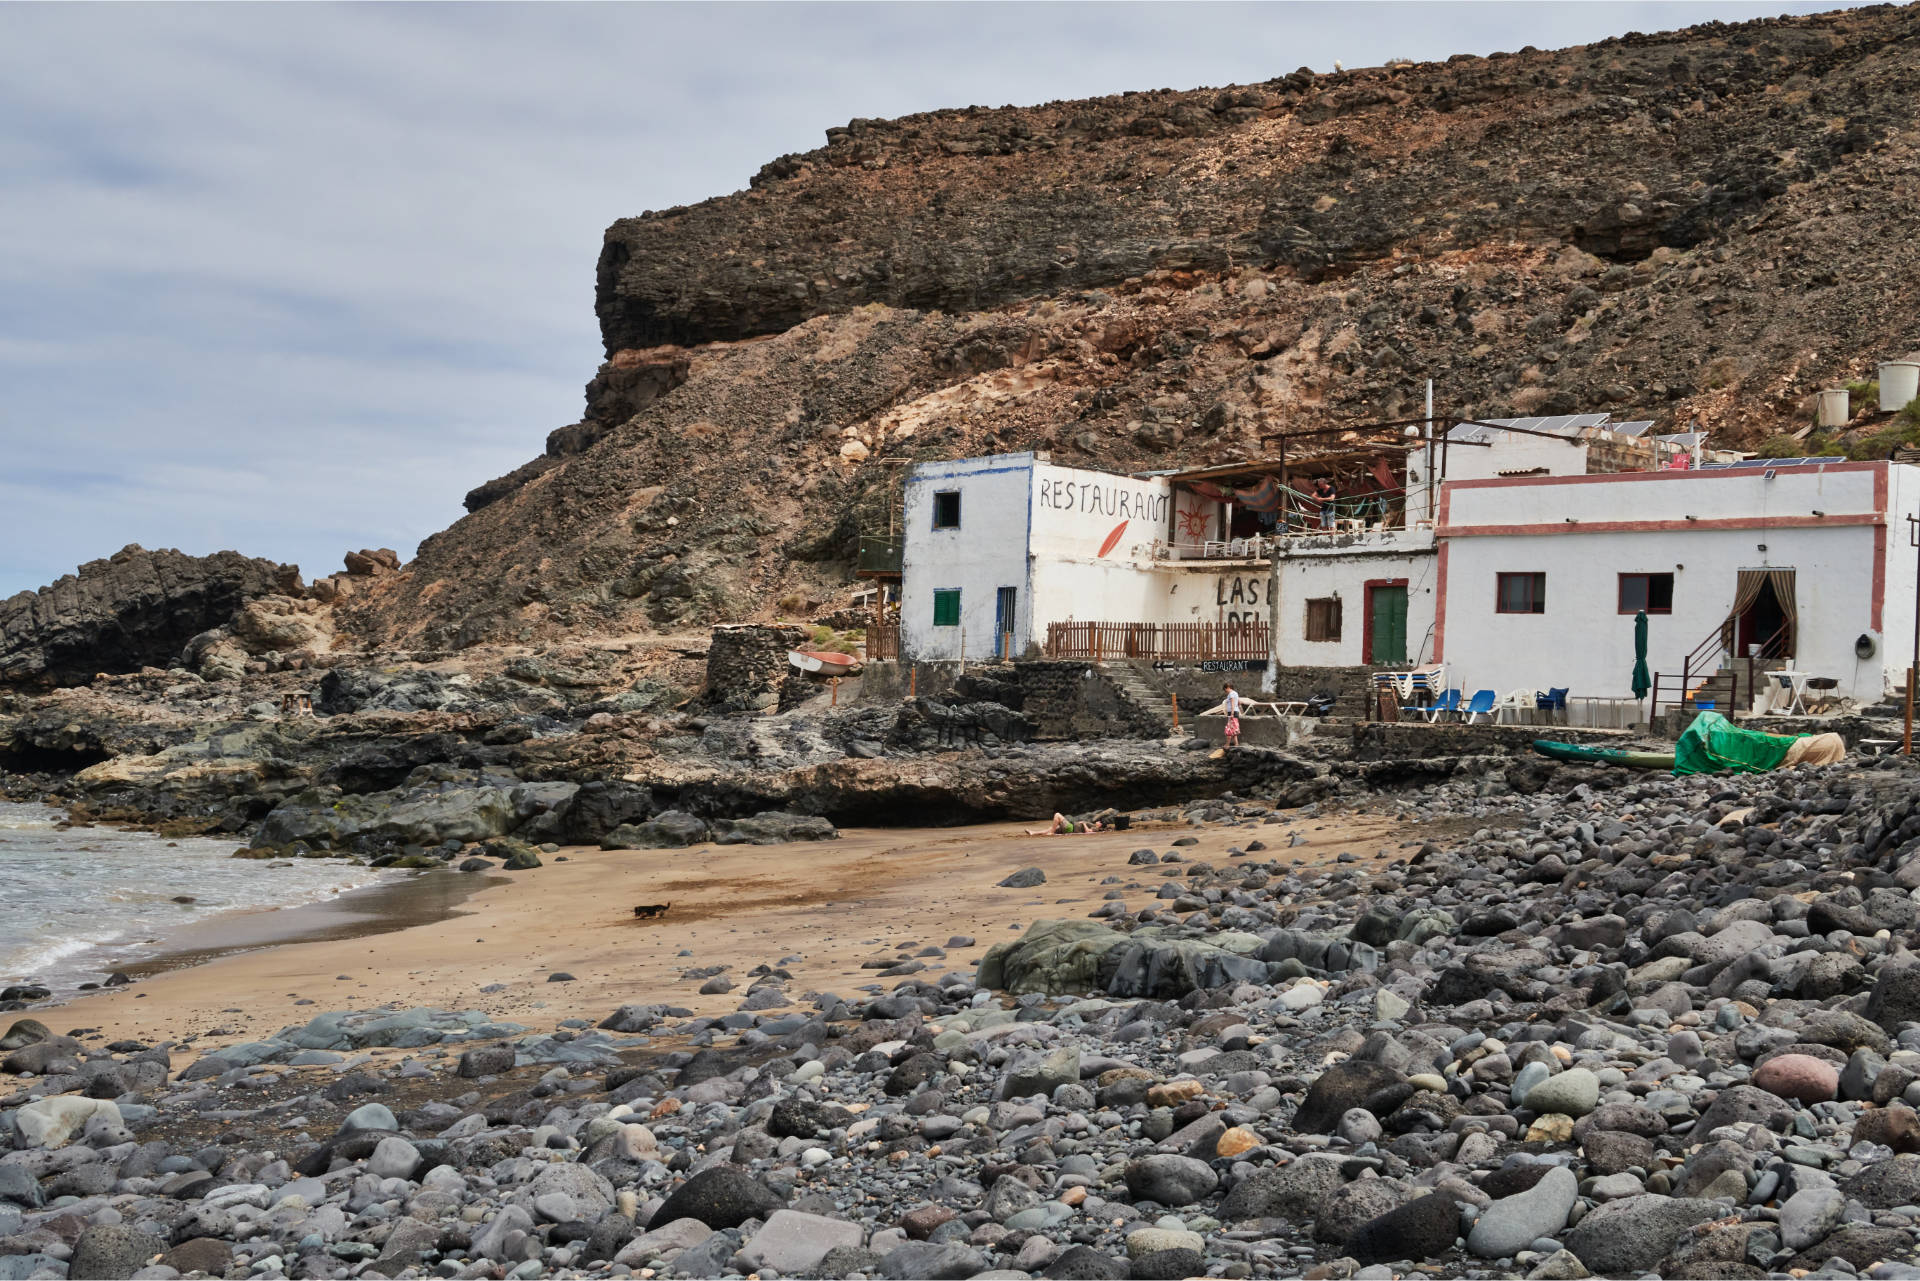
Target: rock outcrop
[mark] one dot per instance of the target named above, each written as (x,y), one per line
(135,609)
(1669,227)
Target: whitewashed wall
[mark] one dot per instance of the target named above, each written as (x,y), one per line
(1092,545)
(1343,567)
(988,551)
(1511,452)
(1583,533)
(1895,641)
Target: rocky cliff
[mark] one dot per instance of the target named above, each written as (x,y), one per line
(1703,226)
(135,609)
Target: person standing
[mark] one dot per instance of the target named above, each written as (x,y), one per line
(1326,495)
(1232,705)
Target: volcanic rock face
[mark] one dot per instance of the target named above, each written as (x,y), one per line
(1672,227)
(135,609)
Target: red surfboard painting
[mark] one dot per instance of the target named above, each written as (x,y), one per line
(1114,537)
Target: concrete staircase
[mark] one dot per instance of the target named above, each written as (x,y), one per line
(1150,706)
(1718,688)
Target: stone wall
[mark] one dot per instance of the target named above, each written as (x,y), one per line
(1255,731)
(890,681)
(747,666)
(1383,740)
(1063,698)
(1067,699)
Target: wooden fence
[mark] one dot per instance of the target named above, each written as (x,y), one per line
(1175,642)
(883,641)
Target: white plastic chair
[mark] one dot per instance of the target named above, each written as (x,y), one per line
(1514,701)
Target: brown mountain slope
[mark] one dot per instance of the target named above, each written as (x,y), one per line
(1703,225)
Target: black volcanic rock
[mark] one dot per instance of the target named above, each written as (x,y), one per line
(135,609)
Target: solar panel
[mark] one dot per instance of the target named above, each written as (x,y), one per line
(1563,425)
(1755,464)
(1629,429)
(1684,439)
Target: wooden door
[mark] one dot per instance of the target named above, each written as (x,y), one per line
(1387,624)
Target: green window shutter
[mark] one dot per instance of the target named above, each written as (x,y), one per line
(946,607)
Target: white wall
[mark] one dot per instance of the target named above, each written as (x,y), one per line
(1583,534)
(1195,521)
(1094,516)
(1896,639)
(1316,572)
(1511,452)
(988,551)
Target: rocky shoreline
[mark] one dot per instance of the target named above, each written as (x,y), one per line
(1622,1024)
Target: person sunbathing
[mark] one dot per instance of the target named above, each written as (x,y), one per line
(1064,826)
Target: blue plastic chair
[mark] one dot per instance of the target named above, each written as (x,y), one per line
(1482,705)
(1448,704)
(1554,700)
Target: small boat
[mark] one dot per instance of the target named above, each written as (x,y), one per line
(1602,755)
(822,662)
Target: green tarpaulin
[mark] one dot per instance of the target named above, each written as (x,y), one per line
(1714,745)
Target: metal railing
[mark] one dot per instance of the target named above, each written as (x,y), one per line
(1189,642)
(1715,655)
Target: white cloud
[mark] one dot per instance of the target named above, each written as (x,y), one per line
(292,278)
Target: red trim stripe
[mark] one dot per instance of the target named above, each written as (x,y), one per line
(1665,526)
(1880,547)
(1440,584)
(1718,473)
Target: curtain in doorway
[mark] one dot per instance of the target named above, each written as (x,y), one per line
(1747,589)
(1783,583)
(1745,592)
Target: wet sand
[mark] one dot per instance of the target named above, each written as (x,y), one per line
(831,905)
(402,903)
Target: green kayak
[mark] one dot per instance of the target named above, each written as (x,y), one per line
(1602,755)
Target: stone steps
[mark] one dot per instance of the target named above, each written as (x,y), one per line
(1150,706)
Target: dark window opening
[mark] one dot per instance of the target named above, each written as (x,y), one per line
(946,510)
(1520,594)
(946,607)
(1323,619)
(1651,592)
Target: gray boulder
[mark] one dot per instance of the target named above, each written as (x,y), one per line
(674,829)
(106,1253)
(1512,1223)
(1292,1191)
(773,827)
(720,1196)
(1631,1235)
(1170,1180)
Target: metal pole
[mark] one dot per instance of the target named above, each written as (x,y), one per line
(1176,712)
(1913,539)
(1429,458)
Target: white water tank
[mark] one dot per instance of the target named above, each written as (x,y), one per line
(1899,384)
(1833,407)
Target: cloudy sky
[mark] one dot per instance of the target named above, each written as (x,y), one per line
(293,278)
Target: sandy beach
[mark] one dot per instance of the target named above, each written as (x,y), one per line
(822,908)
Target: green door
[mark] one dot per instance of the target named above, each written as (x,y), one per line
(1387,624)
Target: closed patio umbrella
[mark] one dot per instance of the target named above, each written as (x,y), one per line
(1642,682)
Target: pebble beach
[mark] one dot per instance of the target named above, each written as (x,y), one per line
(1624,1025)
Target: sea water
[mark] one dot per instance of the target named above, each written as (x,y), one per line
(76,904)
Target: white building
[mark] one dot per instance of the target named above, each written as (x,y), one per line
(1345,599)
(1539,577)
(1545,543)
(999,548)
